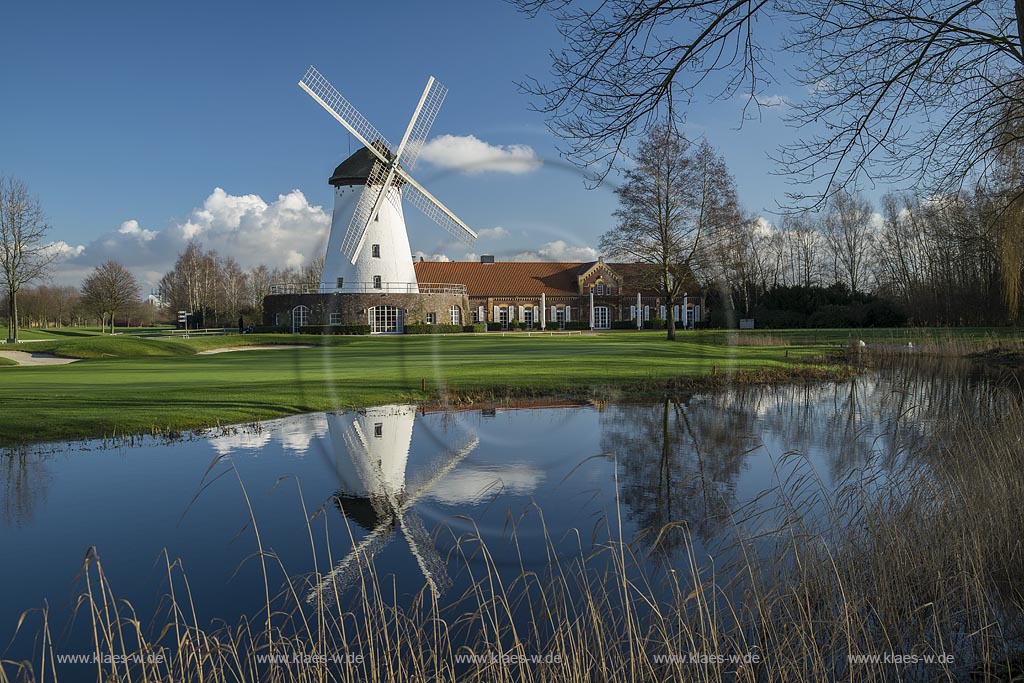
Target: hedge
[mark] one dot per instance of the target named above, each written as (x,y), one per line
(577,325)
(623,324)
(475,327)
(422,328)
(335,329)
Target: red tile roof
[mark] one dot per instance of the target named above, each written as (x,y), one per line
(504,278)
(530,278)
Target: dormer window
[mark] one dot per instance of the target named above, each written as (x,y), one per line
(375,251)
(600,289)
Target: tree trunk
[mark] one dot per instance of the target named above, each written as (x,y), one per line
(12,314)
(670,317)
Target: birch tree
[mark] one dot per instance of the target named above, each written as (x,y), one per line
(109,290)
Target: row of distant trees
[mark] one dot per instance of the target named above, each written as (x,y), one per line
(947,259)
(213,289)
(216,290)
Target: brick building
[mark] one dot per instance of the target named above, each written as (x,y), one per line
(511,293)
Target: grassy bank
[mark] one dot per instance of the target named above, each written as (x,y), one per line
(130,385)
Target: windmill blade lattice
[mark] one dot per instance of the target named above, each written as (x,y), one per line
(330,99)
(435,211)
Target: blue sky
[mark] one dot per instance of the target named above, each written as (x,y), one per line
(117,112)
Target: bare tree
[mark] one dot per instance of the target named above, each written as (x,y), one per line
(849,236)
(109,289)
(24,253)
(671,200)
(900,89)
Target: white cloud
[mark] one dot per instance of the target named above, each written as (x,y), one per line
(132,227)
(559,250)
(469,154)
(495,233)
(287,232)
(423,256)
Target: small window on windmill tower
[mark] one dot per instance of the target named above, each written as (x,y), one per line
(376,282)
(378,429)
(341,283)
(375,250)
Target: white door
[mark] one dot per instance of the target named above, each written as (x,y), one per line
(386,320)
(602,318)
(503,317)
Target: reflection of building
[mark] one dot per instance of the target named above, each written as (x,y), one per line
(370,451)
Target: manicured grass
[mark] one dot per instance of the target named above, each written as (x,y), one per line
(130,385)
(135,385)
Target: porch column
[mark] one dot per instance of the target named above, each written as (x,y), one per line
(543,311)
(686,312)
(591,309)
(639,313)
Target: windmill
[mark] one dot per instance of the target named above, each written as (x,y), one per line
(371,449)
(369,188)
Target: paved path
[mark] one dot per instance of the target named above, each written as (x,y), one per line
(26,358)
(255,347)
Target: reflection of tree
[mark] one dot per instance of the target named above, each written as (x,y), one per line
(25,479)
(675,466)
(679,461)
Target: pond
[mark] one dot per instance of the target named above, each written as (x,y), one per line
(408,486)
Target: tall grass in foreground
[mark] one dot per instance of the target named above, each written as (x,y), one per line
(931,565)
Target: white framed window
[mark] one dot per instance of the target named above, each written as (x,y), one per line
(602,318)
(476,315)
(560,317)
(431,318)
(456,315)
(528,317)
(300,317)
(386,320)
(375,251)
(503,316)
(335,319)
(376,282)
(600,289)
(378,429)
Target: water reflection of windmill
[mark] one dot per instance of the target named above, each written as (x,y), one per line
(371,453)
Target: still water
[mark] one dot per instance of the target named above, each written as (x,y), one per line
(406,485)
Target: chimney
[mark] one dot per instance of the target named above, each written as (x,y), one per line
(421,259)
(487,258)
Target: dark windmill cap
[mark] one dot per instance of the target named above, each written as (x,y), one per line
(356,169)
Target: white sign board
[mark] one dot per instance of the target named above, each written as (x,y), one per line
(746,323)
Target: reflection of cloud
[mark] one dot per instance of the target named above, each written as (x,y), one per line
(471,482)
(293,434)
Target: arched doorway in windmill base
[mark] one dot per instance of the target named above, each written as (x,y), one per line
(386,320)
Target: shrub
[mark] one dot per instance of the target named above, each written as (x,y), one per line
(655,324)
(475,327)
(494,327)
(422,328)
(577,325)
(884,313)
(623,324)
(271,329)
(335,329)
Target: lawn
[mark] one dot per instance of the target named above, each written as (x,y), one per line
(131,385)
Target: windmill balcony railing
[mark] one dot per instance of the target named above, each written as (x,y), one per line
(368,288)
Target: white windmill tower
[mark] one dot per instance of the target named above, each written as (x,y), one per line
(368,190)
(371,450)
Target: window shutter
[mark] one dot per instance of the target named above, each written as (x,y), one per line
(696,313)
(632,312)
(481,316)
(536,315)
(497,315)
(522,313)
(662,311)
(554,314)
(567,309)
(647,312)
